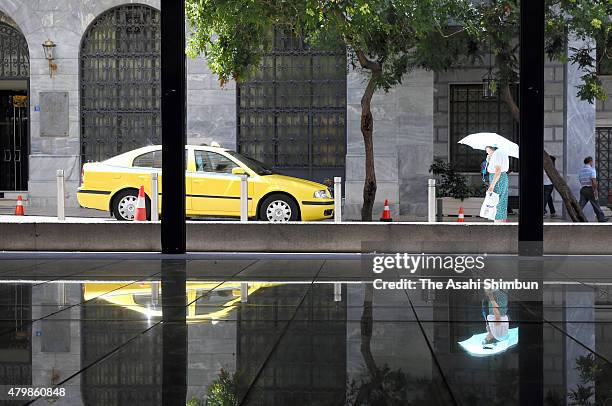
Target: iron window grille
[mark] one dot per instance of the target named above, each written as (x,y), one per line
(470,113)
(14,56)
(120,82)
(292,113)
(603,158)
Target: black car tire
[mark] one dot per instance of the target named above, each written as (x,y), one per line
(120,199)
(279,208)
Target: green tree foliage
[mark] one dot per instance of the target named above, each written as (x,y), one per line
(385,39)
(586,20)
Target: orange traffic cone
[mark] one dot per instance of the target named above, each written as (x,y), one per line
(386,215)
(461,218)
(141,208)
(19,207)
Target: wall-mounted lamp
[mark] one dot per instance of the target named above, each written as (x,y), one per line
(489,84)
(48,46)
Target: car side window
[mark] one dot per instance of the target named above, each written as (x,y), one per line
(207,161)
(151,159)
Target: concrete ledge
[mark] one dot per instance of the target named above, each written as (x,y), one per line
(326,237)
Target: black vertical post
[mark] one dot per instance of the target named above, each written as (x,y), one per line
(174,332)
(174,132)
(531,223)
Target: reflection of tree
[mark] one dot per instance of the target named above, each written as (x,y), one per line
(222,392)
(591,372)
(383,386)
(594,387)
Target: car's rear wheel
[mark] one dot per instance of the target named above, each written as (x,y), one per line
(124,205)
(279,208)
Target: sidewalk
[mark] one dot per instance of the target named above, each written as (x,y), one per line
(52,212)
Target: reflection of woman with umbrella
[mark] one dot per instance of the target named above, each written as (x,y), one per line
(498,336)
(498,149)
(496,317)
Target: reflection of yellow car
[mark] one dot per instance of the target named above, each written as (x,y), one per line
(208,301)
(212,186)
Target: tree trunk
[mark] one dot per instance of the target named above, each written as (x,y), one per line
(367,131)
(367,325)
(571,205)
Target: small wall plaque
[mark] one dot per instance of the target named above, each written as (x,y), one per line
(54,120)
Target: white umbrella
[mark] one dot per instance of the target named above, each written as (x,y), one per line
(483,140)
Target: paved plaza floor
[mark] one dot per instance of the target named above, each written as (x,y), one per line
(298,330)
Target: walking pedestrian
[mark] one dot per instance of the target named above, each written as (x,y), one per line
(498,177)
(548,190)
(588,190)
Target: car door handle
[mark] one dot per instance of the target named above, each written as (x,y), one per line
(7,155)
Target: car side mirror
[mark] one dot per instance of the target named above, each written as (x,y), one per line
(238,171)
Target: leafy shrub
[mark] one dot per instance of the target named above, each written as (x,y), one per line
(449,182)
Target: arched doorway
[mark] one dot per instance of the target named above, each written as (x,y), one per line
(14,129)
(120,82)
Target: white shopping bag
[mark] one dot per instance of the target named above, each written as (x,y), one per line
(489,206)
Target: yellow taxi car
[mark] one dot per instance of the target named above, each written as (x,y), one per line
(212,186)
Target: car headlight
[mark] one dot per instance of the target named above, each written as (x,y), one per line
(321,194)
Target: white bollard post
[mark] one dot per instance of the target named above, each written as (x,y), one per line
(244,292)
(61,213)
(337,199)
(337,292)
(154,197)
(154,294)
(431,200)
(244,198)
(61,294)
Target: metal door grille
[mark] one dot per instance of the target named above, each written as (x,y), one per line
(603,161)
(471,113)
(120,82)
(292,113)
(13,140)
(14,56)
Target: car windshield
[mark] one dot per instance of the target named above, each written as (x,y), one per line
(258,167)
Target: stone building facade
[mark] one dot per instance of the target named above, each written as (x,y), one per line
(211,109)
(411,121)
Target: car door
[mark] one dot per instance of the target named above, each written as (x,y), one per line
(149,162)
(214,190)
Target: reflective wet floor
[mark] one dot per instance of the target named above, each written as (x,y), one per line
(301,331)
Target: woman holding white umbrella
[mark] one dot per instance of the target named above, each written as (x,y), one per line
(497,166)
(498,149)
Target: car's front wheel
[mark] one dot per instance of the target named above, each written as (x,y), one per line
(279,208)
(124,205)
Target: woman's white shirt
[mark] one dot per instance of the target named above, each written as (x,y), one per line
(499,158)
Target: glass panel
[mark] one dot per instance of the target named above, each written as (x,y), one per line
(149,160)
(207,161)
